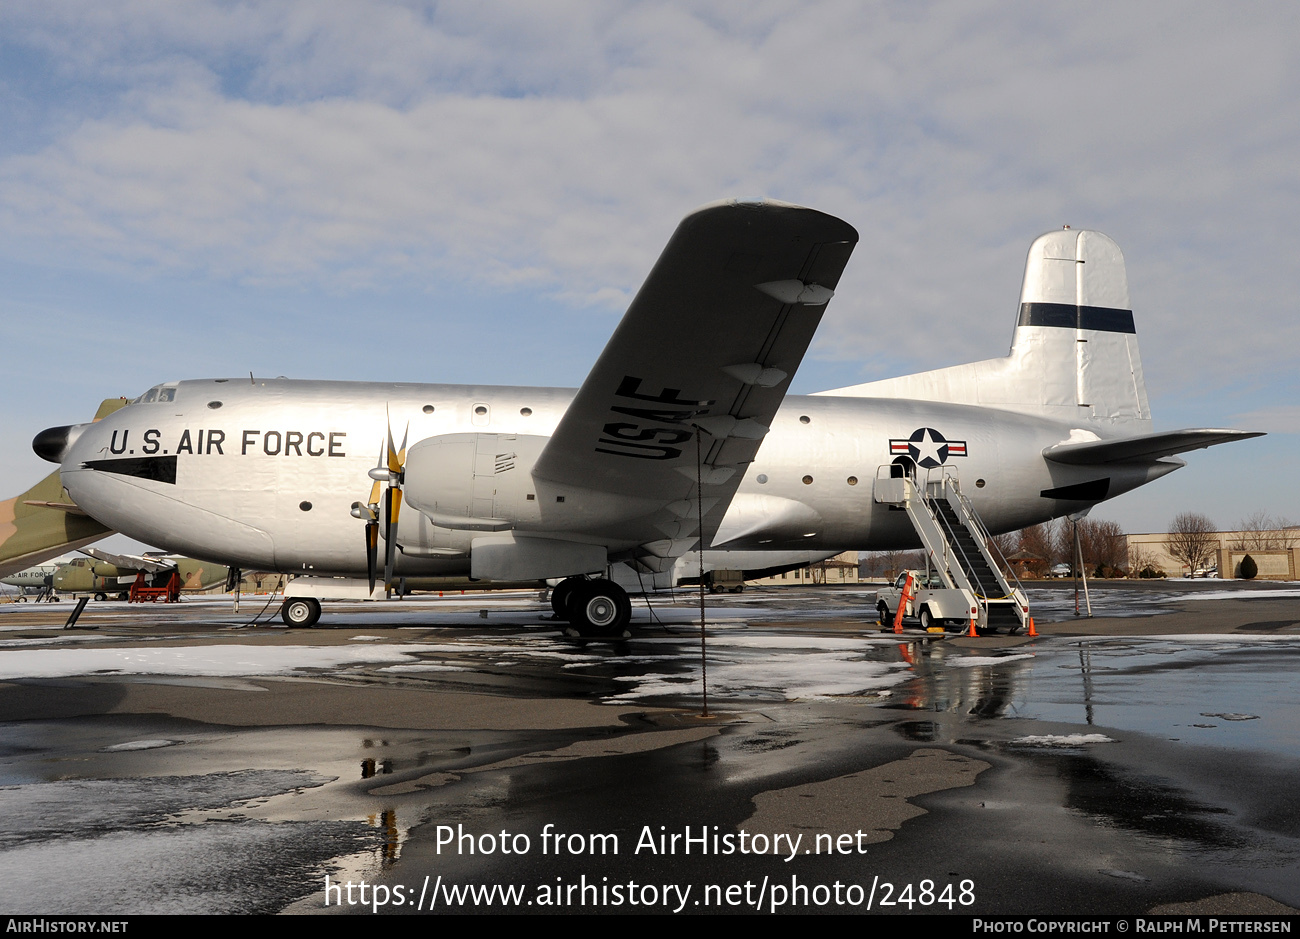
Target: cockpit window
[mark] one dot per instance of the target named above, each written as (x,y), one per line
(165,392)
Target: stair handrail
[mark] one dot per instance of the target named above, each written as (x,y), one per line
(951,538)
(990,545)
(915,501)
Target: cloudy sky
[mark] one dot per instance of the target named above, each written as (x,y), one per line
(462,192)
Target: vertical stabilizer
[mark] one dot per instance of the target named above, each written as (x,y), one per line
(1074,356)
(1076,331)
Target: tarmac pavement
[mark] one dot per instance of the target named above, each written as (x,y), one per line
(171,759)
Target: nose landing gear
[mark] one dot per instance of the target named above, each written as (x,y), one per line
(300,612)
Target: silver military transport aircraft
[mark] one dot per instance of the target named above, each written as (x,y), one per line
(610,487)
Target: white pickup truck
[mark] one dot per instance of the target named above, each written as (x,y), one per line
(930,601)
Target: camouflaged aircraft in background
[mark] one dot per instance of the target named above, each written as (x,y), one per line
(102,574)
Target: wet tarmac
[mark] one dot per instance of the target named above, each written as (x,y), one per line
(460,754)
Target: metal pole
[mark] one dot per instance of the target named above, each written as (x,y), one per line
(1074,565)
(699,533)
(1083,571)
(1080,572)
(72,619)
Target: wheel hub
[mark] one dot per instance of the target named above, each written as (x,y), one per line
(601,611)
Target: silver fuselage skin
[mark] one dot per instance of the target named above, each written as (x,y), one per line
(266,472)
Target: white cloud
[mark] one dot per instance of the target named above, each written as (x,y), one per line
(1281,419)
(552,148)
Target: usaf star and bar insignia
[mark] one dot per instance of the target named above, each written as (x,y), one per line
(927,447)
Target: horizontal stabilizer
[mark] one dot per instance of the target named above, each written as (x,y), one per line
(70,507)
(1143,448)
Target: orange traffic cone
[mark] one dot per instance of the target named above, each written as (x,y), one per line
(902,604)
(1032,630)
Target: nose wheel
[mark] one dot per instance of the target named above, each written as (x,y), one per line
(300,612)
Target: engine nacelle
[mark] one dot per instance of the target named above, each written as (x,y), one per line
(474,482)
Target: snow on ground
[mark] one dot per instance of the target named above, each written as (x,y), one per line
(970,661)
(769,668)
(1229,594)
(218,661)
(1060,740)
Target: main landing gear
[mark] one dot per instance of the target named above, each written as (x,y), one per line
(594,608)
(300,612)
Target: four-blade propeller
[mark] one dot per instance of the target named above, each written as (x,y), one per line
(390,469)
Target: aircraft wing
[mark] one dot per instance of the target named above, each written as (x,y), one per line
(1144,448)
(710,342)
(130,562)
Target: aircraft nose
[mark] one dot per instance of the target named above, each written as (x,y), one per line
(53,443)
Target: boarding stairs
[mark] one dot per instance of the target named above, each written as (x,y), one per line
(957,545)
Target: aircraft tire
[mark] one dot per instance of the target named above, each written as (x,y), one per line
(300,612)
(101,597)
(561,596)
(600,608)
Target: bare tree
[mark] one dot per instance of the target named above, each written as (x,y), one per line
(889,562)
(1104,547)
(1192,540)
(1262,532)
(1143,564)
(1040,541)
(1007,542)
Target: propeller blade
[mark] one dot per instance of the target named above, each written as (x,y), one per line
(372,551)
(375,488)
(394,465)
(392,509)
(392,462)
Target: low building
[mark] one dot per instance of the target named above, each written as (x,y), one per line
(841,569)
(1276,553)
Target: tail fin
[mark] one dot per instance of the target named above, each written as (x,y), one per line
(42,523)
(1074,356)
